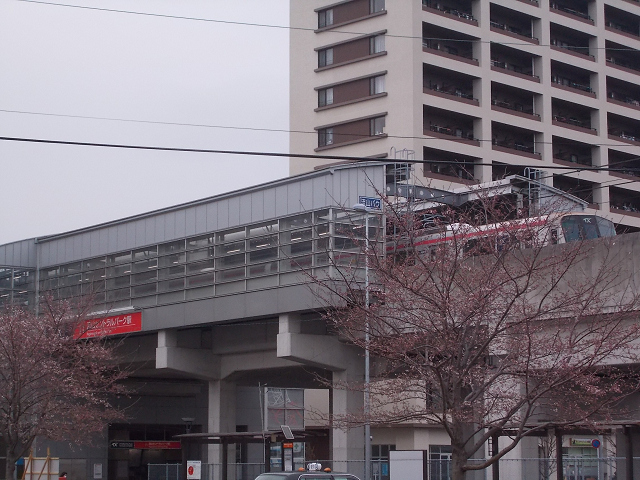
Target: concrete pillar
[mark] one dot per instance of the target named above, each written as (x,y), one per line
(167,338)
(347,443)
(222,417)
(289,323)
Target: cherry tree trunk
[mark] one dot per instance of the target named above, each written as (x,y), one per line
(457,472)
(10,467)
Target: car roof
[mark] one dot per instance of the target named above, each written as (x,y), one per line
(296,475)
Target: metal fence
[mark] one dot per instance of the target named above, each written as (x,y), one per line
(209,471)
(574,468)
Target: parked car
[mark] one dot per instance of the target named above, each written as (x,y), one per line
(309,474)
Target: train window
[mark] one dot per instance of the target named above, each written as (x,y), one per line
(507,241)
(585,227)
(590,228)
(606,227)
(570,229)
(479,246)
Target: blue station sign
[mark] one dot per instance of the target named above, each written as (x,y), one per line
(371,202)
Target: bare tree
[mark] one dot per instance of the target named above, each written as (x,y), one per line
(52,385)
(487,331)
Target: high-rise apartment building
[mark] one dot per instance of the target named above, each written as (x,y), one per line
(478,89)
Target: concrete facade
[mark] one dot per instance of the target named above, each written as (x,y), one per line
(477,88)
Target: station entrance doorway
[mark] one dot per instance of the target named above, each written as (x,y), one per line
(133,447)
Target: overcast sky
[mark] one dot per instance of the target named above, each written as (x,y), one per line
(59,60)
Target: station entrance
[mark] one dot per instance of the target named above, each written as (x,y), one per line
(133,447)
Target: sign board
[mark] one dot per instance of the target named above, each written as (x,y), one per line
(405,464)
(97,471)
(287,458)
(194,467)
(584,442)
(159,445)
(114,325)
(371,202)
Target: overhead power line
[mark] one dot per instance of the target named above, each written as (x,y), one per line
(285,27)
(279,130)
(281,154)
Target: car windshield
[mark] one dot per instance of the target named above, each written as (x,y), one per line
(272,477)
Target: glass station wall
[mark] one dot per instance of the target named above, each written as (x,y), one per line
(261,255)
(17,286)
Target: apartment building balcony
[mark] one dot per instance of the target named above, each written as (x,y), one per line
(572,79)
(576,187)
(460,10)
(624,202)
(570,41)
(448,84)
(623,93)
(448,43)
(445,165)
(513,101)
(623,129)
(501,170)
(448,125)
(624,165)
(572,116)
(622,57)
(621,22)
(513,62)
(513,140)
(512,23)
(575,9)
(569,152)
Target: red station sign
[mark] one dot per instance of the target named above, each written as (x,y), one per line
(114,325)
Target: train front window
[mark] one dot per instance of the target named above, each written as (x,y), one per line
(606,227)
(585,227)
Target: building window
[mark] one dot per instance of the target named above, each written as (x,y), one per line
(325,137)
(284,406)
(325,97)
(376,126)
(380,460)
(325,57)
(376,44)
(325,18)
(376,85)
(440,462)
(376,6)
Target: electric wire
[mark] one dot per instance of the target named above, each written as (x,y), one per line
(278,154)
(423,38)
(285,27)
(283,130)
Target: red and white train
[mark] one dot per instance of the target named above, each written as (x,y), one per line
(544,230)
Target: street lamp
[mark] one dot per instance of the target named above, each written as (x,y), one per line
(359,207)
